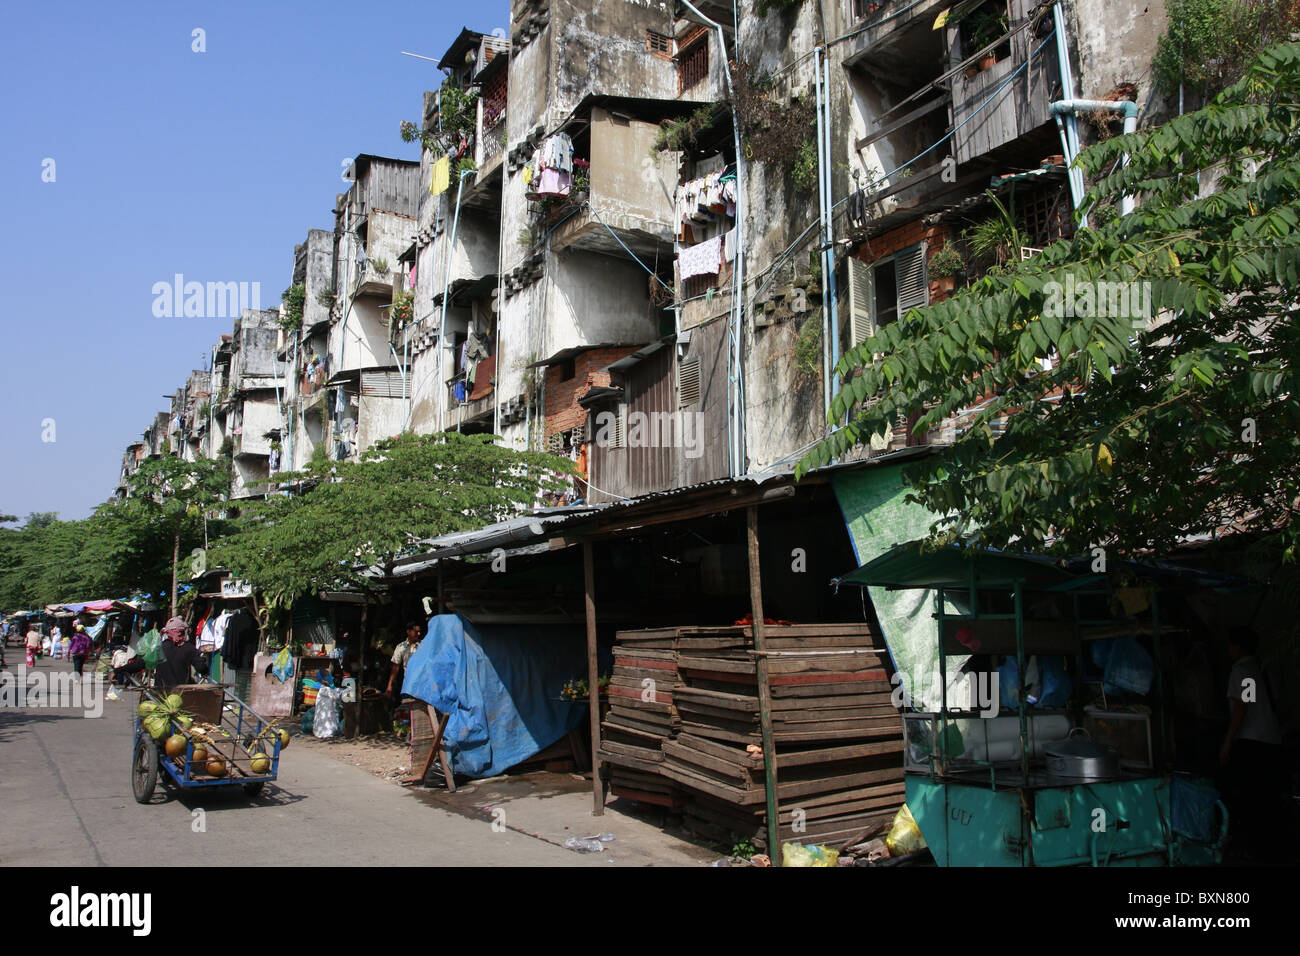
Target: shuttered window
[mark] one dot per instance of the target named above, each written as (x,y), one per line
(910,272)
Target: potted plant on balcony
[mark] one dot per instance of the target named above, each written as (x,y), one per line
(945,266)
(581,181)
(983,27)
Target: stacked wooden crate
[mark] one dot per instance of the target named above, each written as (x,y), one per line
(837,735)
(641,715)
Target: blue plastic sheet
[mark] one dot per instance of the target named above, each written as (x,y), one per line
(500,686)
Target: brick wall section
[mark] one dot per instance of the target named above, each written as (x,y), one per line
(561,396)
(886,244)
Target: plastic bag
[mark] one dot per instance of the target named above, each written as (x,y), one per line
(1129,667)
(904,836)
(326,722)
(1056,684)
(796,854)
(150,648)
(282,666)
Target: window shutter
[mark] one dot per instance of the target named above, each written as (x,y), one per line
(913,285)
(861,301)
(688,383)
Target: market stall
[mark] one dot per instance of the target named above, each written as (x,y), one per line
(1048,744)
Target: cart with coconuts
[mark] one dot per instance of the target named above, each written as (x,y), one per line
(201,735)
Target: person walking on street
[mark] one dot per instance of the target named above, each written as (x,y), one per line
(78,648)
(33,646)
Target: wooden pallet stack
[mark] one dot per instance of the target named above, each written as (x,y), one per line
(838,738)
(642,715)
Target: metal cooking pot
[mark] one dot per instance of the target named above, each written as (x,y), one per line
(1079,758)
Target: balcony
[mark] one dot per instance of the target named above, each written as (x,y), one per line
(630,201)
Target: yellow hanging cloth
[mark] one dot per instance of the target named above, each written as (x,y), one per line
(441,178)
(528,175)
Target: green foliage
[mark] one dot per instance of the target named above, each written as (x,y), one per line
(292,299)
(808,347)
(680,134)
(804,173)
(366,513)
(1141,434)
(403,308)
(998,239)
(456,119)
(1208,44)
(466,165)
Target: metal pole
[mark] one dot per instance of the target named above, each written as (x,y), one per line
(764,691)
(593,677)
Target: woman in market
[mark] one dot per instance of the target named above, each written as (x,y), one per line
(33,645)
(78,648)
(178,656)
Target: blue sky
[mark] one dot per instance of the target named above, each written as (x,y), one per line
(211,164)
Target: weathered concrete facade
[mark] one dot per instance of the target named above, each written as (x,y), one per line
(539,313)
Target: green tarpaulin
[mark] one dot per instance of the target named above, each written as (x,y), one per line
(878,518)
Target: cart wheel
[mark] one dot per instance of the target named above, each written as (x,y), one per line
(253,789)
(144,769)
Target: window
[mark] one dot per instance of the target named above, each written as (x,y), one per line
(494,99)
(881,292)
(566,370)
(658,44)
(693,63)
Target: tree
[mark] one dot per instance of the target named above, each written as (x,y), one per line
(364,514)
(1145,431)
(173,494)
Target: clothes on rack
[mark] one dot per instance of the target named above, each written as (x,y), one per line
(551,171)
(704,200)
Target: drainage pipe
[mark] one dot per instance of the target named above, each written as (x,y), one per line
(1070,108)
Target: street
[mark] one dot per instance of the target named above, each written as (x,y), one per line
(65,787)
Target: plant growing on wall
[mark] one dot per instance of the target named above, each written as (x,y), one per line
(292,300)
(326,298)
(804,173)
(680,134)
(1209,43)
(776,130)
(808,347)
(379,265)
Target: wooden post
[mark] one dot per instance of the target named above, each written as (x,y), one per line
(441,606)
(361,662)
(593,678)
(764,691)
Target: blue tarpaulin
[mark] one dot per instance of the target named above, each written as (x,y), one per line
(500,685)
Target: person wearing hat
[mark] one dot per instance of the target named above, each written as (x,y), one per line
(178,656)
(78,648)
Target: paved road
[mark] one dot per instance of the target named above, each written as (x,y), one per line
(65,800)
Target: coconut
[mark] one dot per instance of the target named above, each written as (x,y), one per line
(284,738)
(175,745)
(174,701)
(157,726)
(216,767)
(260,763)
(146,708)
(185,722)
(200,755)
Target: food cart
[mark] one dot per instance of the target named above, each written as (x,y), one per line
(1045,785)
(226,744)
